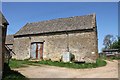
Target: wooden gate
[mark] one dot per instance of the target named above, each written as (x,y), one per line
(36,50)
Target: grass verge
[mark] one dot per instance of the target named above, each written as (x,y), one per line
(23,63)
(17,63)
(110,57)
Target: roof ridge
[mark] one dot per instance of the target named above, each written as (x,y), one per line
(62,18)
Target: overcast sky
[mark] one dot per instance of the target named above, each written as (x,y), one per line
(18,14)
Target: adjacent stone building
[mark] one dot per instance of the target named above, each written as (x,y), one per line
(53,38)
(9,41)
(3,30)
(9,47)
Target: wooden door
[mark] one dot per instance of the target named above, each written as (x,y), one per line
(36,51)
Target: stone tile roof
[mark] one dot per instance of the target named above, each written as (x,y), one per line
(61,24)
(9,39)
(2,19)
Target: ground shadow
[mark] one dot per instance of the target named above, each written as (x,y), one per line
(9,74)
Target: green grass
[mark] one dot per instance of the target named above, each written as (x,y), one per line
(98,63)
(110,58)
(17,63)
(115,58)
(21,63)
(103,57)
(14,75)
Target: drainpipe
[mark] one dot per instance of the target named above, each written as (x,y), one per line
(67,41)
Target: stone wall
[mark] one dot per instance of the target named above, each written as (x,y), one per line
(21,48)
(3,29)
(54,45)
(1,66)
(82,44)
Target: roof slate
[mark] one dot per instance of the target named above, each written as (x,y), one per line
(61,24)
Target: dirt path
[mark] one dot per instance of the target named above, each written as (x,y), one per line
(44,71)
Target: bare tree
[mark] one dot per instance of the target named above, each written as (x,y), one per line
(108,40)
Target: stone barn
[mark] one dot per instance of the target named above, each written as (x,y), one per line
(51,39)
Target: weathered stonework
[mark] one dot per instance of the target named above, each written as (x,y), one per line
(82,45)
(80,42)
(21,46)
